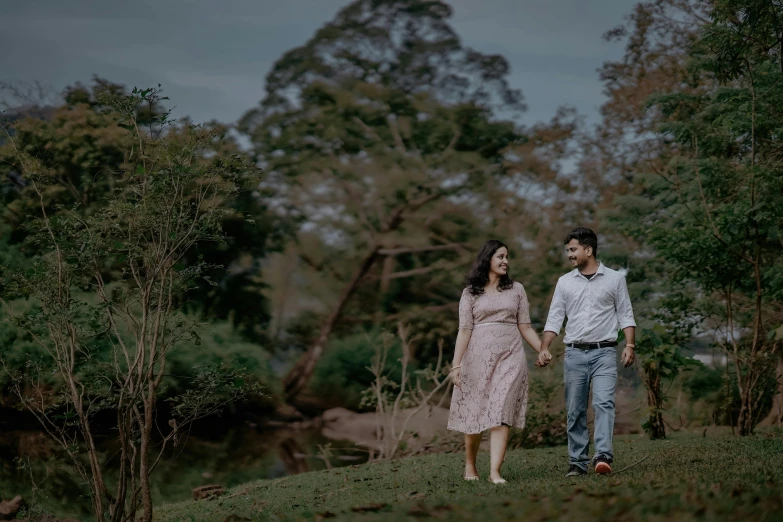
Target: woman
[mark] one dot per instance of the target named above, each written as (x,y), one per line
(489,369)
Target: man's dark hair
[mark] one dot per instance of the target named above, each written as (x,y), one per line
(585,237)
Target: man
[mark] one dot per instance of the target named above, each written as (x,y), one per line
(595,300)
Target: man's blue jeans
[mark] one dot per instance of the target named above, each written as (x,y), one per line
(583,367)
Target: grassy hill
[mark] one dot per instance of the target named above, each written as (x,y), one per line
(687,477)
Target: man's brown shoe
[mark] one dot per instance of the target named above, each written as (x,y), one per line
(602,466)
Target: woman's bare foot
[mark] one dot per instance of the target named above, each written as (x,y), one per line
(495,478)
(471,473)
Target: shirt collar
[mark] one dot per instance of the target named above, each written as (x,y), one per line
(577,273)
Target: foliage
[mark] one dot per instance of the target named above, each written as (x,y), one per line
(108,352)
(407,46)
(723,192)
(220,345)
(399,138)
(545,423)
(704,382)
(342,375)
(83,148)
(402,406)
(662,359)
(718,389)
(694,127)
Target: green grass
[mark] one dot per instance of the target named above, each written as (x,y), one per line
(687,477)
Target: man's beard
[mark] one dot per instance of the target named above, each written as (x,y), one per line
(580,264)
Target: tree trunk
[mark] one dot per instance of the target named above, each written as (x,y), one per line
(745,420)
(300,374)
(98,486)
(144,462)
(775,417)
(655,426)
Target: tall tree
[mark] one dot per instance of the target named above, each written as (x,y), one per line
(404,45)
(80,141)
(106,343)
(707,200)
(381,134)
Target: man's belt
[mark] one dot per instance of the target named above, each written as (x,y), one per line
(593,346)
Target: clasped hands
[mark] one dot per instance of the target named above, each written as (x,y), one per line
(544,357)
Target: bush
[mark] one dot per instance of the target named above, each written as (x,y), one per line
(704,383)
(717,388)
(545,424)
(220,343)
(342,374)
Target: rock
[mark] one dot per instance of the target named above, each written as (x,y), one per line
(349,458)
(300,425)
(336,414)
(361,428)
(207,492)
(9,508)
(286,412)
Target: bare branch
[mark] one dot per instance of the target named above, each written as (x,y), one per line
(395,130)
(454,140)
(418,250)
(366,128)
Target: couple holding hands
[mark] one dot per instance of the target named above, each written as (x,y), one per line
(489,369)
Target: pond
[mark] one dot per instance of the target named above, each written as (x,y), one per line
(242,453)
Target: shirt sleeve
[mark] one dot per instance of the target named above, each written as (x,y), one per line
(523,308)
(622,305)
(554,320)
(466,310)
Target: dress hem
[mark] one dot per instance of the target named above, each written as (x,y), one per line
(521,426)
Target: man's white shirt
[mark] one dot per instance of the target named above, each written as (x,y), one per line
(596,308)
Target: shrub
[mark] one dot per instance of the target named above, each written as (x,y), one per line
(342,374)
(545,424)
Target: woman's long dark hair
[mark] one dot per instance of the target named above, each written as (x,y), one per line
(478,277)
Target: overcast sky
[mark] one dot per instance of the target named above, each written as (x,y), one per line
(211,57)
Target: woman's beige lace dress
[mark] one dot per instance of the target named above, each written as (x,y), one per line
(494,384)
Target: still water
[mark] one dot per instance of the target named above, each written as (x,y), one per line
(241,454)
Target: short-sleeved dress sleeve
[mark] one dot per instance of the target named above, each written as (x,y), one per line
(466,310)
(523,308)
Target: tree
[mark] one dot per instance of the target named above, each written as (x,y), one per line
(658,35)
(382,137)
(106,342)
(713,212)
(406,46)
(662,359)
(400,200)
(82,145)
